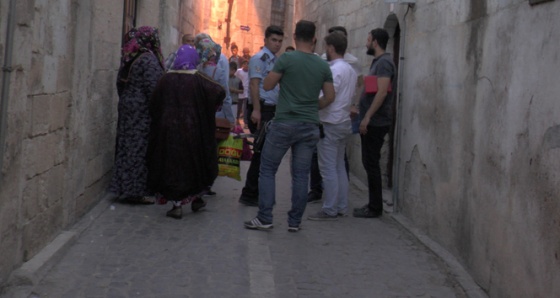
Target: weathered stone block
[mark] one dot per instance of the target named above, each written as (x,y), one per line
(90,196)
(43,152)
(50,74)
(24,12)
(33,203)
(40,114)
(59,111)
(34,80)
(10,258)
(94,170)
(9,213)
(65,75)
(54,185)
(40,230)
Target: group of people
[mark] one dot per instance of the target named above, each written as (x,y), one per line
(307,104)
(165,145)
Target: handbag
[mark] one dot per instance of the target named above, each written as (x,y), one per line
(222,129)
(247,153)
(229,154)
(371,84)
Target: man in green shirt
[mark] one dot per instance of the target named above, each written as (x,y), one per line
(302,76)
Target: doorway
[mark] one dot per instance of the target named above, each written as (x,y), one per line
(393,28)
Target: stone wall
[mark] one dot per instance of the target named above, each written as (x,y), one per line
(479,130)
(479,138)
(60,120)
(62,107)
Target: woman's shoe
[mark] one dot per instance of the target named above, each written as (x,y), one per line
(176,212)
(197,204)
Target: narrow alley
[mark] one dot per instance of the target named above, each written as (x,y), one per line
(135,251)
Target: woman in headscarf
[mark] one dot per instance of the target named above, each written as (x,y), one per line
(141,68)
(215,64)
(182,152)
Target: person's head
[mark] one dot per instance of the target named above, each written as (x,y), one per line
(138,41)
(305,31)
(244,64)
(289,49)
(338,28)
(377,41)
(188,39)
(232,68)
(273,37)
(187,58)
(144,38)
(234,49)
(246,52)
(336,45)
(207,49)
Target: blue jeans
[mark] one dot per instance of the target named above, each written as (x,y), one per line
(302,138)
(331,151)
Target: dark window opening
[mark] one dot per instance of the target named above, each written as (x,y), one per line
(129,16)
(277,13)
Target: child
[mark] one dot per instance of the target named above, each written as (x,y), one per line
(235,86)
(243,75)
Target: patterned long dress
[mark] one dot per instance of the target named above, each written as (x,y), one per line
(130,171)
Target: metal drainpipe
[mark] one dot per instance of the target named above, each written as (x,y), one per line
(7,69)
(396,172)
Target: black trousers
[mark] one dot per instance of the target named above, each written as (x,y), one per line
(372,142)
(251,189)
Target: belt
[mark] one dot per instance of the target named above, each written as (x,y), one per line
(267,107)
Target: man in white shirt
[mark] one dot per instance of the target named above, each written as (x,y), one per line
(315,182)
(243,74)
(337,127)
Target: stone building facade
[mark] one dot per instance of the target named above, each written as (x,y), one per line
(477,141)
(58,106)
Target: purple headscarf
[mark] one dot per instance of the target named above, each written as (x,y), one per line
(187,58)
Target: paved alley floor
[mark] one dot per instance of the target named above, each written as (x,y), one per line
(135,251)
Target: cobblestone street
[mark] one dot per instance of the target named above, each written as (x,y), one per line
(135,251)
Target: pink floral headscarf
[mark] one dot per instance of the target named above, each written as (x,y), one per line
(138,41)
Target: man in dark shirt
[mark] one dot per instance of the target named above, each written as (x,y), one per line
(376,115)
(262,106)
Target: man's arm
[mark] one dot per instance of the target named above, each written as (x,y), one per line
(382,87)
(356,97)
(271,80)
(223,79)
(328,95)
(256,100)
